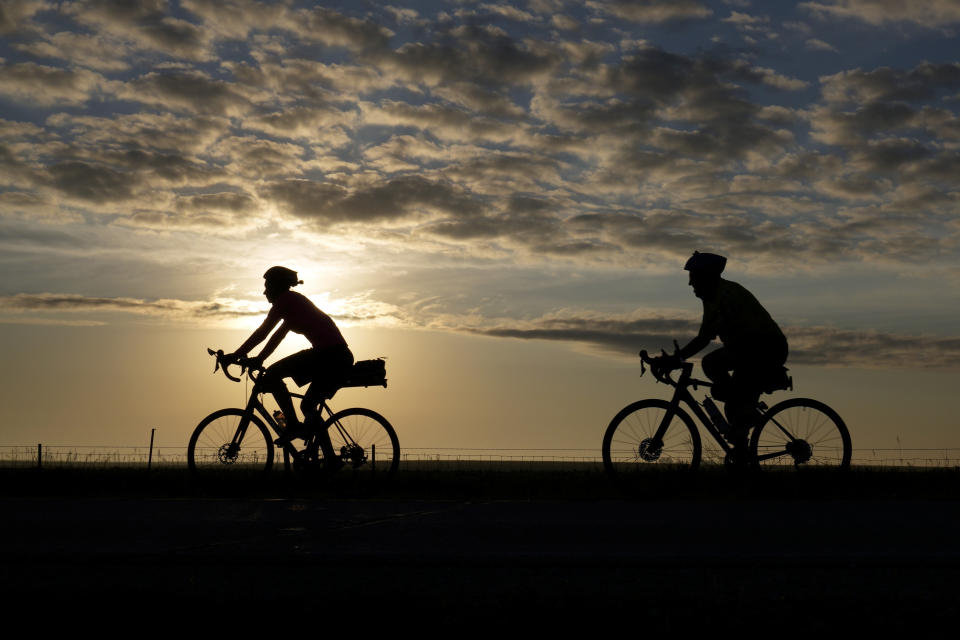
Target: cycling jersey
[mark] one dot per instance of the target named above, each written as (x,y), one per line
(738,319)
(303,317)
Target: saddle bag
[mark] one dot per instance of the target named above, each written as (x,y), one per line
(368,373)
(778,380)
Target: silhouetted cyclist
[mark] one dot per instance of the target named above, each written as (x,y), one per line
(325,365)
(754,349)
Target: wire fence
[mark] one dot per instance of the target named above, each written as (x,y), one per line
(42,456)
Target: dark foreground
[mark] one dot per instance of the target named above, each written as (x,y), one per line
(497,548)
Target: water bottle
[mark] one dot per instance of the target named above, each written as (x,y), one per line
(718,420)
(281,420)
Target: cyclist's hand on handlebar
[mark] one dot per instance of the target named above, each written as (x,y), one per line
(665,363)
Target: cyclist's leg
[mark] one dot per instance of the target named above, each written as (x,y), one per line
(317,393)
(740,407)
(329,369)
(717,366)
(296,367)
(752,371)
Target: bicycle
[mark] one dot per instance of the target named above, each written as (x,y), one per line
(231,440)
(799,432)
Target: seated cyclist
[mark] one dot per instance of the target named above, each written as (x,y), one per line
(754,349)
(325,365)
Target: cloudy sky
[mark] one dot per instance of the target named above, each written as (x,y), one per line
(498,197)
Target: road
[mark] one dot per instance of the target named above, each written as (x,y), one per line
(673,563)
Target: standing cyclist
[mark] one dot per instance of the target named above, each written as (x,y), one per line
(754,349)
(325,365)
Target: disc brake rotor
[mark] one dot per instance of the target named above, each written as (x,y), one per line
(354,454)
(800,451)
(650,450)
(228,453)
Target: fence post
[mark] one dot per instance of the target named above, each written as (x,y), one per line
(39,456)
(150,455)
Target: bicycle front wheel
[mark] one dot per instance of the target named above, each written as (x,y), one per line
(218,446)
(630,443)
(365,442)
(802,433)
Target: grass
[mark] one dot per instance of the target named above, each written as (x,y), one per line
(471,480)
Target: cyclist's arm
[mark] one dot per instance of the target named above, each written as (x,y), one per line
(706,334)
(694,347)
(259,334)
(275,340)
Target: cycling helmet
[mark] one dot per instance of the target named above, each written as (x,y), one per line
(281,276)
(706,263)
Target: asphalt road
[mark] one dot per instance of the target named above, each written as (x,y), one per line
(665,565)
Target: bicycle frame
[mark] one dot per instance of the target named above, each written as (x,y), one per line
(354,433)
(682,394)
(254,405)
(799,431)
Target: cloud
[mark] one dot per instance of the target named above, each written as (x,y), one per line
(779,81)
(94,51)
(468,53)
(148,24)
(886,84)
(309,123)
(651,11)
(192,91)
(404,15)
(18,234)
(822,346)
(37,84)
(14,13)
(91,182)
(162,132)
(930,13)
(114,176)
(51,302)
(444,121)
(408,196)
(251,157)
(561,21)
(24,308)
(872,349)
(508,11)
(327,118)
(739,19)
(490,102)
(815,44)
(337,30)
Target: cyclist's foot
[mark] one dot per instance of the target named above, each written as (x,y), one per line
(738,459)
(289,434)
(737,436)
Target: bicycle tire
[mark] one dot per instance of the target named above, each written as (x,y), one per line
(626,442)
(802,432)
(365,441)
(208,453)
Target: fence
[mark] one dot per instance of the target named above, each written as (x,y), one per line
(105,456)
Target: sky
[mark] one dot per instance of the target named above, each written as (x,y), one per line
(499,198)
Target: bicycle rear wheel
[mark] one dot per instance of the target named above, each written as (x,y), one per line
(217,448)
(630,444)
(802,433)
(365,442)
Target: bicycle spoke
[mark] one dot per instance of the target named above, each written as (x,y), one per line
(364,441)
(217,445)
(802,433)
(631,442)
